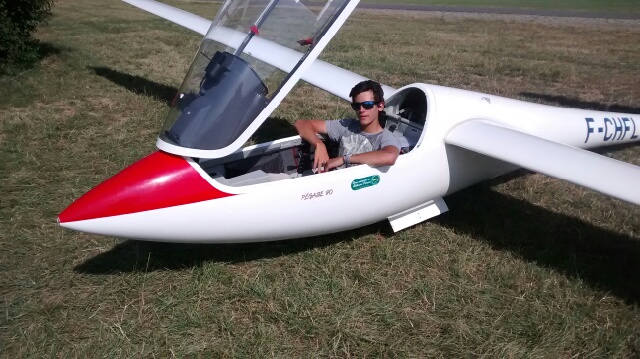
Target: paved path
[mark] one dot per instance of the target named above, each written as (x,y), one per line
(509,11)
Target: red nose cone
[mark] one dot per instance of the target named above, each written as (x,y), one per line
(157,181)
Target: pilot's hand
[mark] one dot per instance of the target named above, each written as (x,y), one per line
(321,158)
(334,163)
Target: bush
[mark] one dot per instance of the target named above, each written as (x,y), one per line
(18,20)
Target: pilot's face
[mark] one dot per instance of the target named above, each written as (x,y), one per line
(367,116)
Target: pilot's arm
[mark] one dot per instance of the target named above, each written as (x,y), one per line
(309,130)
(385,156)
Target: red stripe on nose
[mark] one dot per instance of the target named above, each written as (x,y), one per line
(157,181)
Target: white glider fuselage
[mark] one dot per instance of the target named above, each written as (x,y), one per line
(353,197)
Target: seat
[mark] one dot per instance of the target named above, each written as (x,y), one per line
(408,133)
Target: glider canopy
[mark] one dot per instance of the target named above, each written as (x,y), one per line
(252,55)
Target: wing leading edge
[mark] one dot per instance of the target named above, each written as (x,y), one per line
(183,18)
(606,175)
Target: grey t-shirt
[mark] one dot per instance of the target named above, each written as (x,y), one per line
(353,140)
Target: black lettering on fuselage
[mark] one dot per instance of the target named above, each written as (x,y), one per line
(607,137)
(618,123)
(612,128)
(589,128)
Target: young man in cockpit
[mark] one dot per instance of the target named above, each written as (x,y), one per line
(363,140)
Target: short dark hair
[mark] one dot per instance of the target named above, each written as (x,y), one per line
(368,85)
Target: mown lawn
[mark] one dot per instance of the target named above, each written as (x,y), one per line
(524,265)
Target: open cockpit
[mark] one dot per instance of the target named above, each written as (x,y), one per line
(289,158)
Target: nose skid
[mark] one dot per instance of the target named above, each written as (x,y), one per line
(157,181)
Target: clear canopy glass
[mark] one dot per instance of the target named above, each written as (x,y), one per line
(245,59)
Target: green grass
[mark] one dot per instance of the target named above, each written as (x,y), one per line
(581,5)
(521,266)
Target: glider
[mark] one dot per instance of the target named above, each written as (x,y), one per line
(202,185)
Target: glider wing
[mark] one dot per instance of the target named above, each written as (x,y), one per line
(606,175)
(183,18)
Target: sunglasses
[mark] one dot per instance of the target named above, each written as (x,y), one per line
(367,105)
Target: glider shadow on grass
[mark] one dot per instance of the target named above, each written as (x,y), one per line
(136,84)
(141,256)
(603,259)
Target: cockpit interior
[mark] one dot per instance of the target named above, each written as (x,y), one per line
(289,158)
